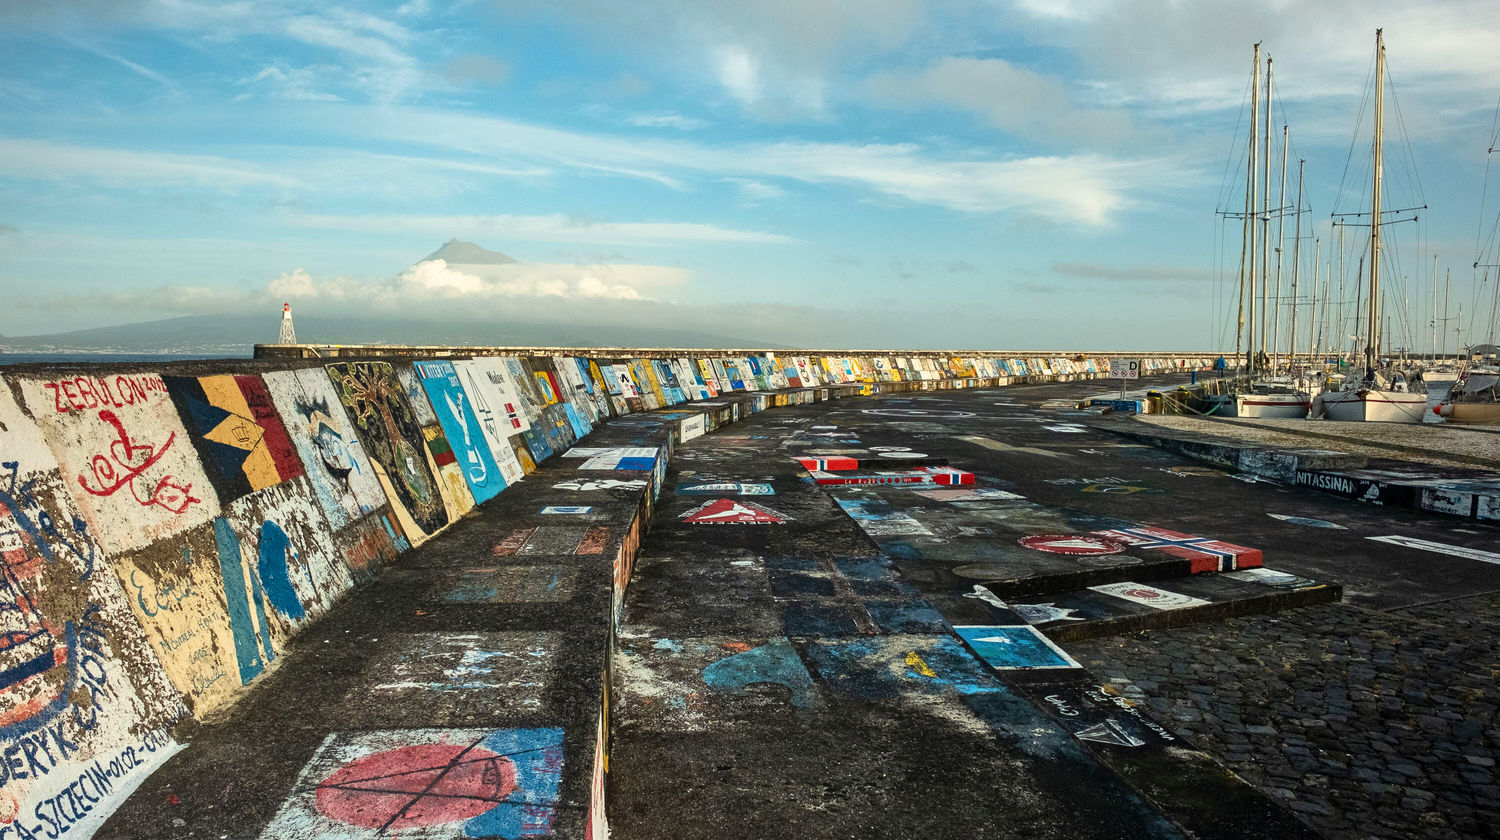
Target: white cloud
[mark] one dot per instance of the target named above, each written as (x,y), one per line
(40,160)
(435,281)
(677,121)
(546,228)
(295,83)
(737,73)
(1084,188)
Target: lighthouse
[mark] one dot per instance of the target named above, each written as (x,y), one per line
(288,335)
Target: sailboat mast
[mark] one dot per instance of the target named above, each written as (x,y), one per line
(1280,248)
(1340,336)
(1434,355)
(1372,349)
(1247,280)
(1313,316)
(1296,263)
(1265,200)
(1447,278)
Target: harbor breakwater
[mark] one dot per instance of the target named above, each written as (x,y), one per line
(165,531)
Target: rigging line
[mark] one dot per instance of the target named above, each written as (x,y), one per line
(1484,192)
(1234,149)
(1359,120)
(1410,160)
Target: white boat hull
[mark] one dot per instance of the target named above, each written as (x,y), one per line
(1374,406)
(1272,405)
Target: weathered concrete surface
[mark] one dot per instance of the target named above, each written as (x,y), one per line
(1446,483)
(1052,460)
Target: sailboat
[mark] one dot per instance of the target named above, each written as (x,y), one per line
(1268,395)
(1378,393)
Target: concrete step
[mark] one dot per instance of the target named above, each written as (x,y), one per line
(1129,606)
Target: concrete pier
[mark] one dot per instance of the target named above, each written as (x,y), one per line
(785,596)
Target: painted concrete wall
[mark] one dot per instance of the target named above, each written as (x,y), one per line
(164,534)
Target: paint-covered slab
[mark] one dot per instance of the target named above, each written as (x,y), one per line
(84,705)
(879,518)
(1102,717)
(692,428)
(460,422)
(387,426)
(343,480)
(426,784)
(1205,554)
(442,671)
(1012,647)
(690,684)
(241,440)
(715,488)
(125,455)
(497,410)
(733,512)
(1151,596)
(967,494)
(920,475)
(1078,544)
(511,584)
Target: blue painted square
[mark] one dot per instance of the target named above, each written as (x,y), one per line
(1010,648)
(636,462)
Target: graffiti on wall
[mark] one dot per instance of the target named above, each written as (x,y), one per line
(460,422)
(126,454)
(386,425)
(338,468)
(234,426)
(83,702)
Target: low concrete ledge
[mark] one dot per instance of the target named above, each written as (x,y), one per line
(1275,462)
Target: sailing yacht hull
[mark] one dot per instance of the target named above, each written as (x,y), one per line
(1374,406)
(1272,405)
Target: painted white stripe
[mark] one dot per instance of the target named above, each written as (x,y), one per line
(1440,548)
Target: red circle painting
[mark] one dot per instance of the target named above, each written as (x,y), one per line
(1071,544)
(419,785)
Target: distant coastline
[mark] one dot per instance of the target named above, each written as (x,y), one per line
(103,358)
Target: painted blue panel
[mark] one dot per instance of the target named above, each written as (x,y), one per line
(461,426)
(1010,648)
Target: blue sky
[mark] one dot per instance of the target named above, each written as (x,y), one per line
(898,173)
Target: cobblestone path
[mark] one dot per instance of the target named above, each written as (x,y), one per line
(1368,723)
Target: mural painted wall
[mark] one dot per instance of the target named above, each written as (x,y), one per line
(119,441)
(385,423)
(460,422)
(442,461)
(84,702)
(335,461)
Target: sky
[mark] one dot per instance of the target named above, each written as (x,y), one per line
(877,173)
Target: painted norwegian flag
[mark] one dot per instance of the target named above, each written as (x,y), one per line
(834,464)
(1206,554)
(920,475)
(513,414)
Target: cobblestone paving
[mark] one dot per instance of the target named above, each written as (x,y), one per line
(1369,724)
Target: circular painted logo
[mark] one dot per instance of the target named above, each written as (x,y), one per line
(415,786)
(1071,544)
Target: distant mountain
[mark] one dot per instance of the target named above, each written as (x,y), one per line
(467,253)
(235,335)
